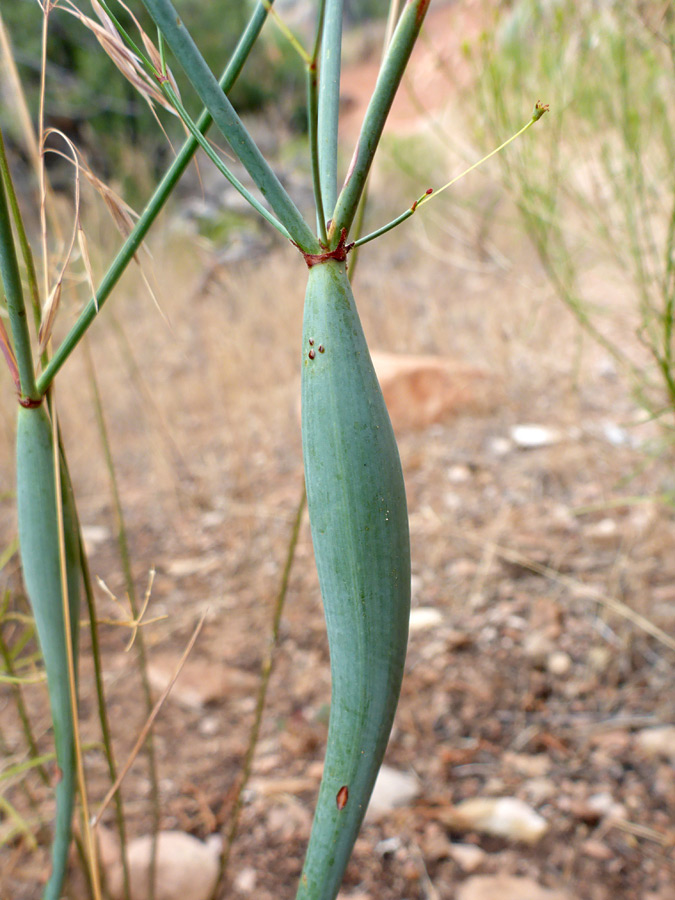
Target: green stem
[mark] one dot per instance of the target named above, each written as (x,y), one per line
(26,251)
(313,105)
(229,123)
(431,194)
(11,280)
(153,207)
(329,101)
(173,98)
(391,73)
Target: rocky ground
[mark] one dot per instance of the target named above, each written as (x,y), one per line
(533,754)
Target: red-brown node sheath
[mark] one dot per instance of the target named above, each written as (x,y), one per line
(340,252)
(29,403)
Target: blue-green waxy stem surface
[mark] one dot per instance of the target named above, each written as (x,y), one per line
(39,543)
(359,524)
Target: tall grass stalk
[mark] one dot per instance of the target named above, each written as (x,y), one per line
(141,653)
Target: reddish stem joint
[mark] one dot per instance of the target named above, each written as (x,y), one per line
(30,402)
(339,254)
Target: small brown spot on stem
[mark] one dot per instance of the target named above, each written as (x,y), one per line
(322,349)
(311,354)
(342,797)
(311,342)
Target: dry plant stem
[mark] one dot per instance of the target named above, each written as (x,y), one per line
(228,122)
(92,856)
(389,78)
(287,32)
(145,731)
(616,606)
(42,171)
(137,378)
(24,112)
(21,709)
(123,546)
(265,673)
(98,673)
(153,207)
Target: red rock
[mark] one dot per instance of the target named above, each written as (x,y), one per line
(422,390)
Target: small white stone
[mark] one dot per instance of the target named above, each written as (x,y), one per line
(658,741)
(529,437)
(505,817)
(467,856)
(459,474)
(559,663)
(499,446)
(423,617)
(246,880)
(392,789)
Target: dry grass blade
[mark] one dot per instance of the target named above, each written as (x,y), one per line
(665,839)
(53,301)
(49,311)
(86,261)
(10,358)
(121,213)
(17,95)
(124,59)
(621,609)
(149,723)
(150,49)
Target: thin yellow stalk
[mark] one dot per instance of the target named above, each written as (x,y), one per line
(42,173)
(92,856)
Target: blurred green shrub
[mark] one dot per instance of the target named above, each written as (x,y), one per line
(597,187)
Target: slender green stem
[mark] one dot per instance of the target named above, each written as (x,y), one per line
(391,73)
(313,103)
(394,222)
(265,673)
(329,101)
(11,279)
(392,17)
(430,194)
(153,207)
(26,251)
(173,98)
(229,123)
